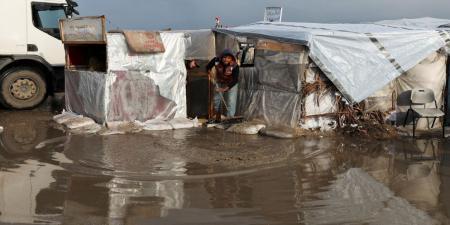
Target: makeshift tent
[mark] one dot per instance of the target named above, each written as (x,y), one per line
(141,76)
(360,60)
(353,55)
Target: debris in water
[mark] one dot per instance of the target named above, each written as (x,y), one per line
(50,141)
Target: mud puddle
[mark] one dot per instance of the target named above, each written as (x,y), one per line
(201,176)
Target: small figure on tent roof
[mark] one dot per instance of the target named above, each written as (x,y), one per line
(224,73)
(218,22)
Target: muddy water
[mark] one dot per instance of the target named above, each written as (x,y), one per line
(201,176)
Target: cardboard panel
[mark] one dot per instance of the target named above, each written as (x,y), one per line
(144,42)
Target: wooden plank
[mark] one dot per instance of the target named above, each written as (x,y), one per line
(279,46)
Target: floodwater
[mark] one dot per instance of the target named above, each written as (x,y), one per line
(206,176)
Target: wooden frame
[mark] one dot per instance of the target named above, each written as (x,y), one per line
(265,44)
(64,23)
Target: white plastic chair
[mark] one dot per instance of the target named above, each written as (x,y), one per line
(421,97)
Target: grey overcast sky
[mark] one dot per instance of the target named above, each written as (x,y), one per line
(193,14)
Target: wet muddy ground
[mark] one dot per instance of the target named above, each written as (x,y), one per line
(207,176)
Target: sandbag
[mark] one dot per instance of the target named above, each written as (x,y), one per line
(121,127)
(79,122)
(182,123)
(279,132)
(64,117)
(90,129)
(156,125)
(246,128)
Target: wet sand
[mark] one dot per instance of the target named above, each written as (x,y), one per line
(207,176)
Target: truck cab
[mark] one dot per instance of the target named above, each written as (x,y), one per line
(31,52)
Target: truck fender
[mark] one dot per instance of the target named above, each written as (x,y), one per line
(5,61)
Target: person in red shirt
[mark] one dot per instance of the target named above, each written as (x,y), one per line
(226,79)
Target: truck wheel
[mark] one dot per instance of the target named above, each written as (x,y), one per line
(22,88)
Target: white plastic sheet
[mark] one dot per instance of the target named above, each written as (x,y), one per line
(166,69)
(85,93)
(135,86)
(202,44)
(271,91)
(358,58)
(382,100)
(425,23)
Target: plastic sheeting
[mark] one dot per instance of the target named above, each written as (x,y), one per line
(425,23)
(85,93)
(134,96)
(136,86)
(355,55)
(319,103)
(202,45)
(271,91)
(382,100)
(167,70)
(116,96)
(224,41)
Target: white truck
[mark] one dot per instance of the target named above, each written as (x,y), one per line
(31,53)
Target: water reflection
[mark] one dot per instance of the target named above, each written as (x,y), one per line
(135,198)
(22,189)
(137,179)
(416,176)
(28,177)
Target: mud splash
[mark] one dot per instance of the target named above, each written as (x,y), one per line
(201,176)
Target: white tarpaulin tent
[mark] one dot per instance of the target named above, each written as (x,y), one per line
(359,59)
(135,86)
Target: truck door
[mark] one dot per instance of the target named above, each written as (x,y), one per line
(43,32)
(13,39)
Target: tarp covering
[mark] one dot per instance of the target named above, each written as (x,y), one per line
(85,93)
(359,59)
(134,96)
(382,100)
(271,91)
(116,96)
(135,86)
(319,105)
(426,23)
(202,44)
(167,70)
